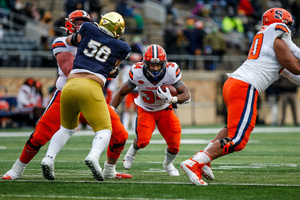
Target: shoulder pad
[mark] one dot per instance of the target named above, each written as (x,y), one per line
(280,29)
(137,69)
(173,69)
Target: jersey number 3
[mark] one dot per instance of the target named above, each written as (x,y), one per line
(256,46)
(100,53)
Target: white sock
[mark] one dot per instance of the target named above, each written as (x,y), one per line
(132,151)
(58,141)
(209,144)
(202,157)
(109,167)
(126,119)
(18,166)
(100,142)
(169,158)
(133,120)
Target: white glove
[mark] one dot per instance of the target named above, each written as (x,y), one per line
(166,97)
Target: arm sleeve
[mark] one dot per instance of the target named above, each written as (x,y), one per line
(293,78)
(130,84)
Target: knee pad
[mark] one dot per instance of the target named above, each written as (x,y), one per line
(142,145)
(173,150)
(31,144)
(69,131)
(116,148)
(227,145)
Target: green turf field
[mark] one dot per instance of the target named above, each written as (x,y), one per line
(268,168)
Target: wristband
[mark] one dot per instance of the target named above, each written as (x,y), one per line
(113,108)
(174,100)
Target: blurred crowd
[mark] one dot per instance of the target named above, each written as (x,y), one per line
(210,28)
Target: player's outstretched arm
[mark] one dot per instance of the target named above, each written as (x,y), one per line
(119,96)
(285,57)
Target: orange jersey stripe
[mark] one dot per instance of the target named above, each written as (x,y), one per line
(131,75)
(58,44)
(280,27)
(177,72)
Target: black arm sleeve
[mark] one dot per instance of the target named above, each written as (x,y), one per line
(74,39)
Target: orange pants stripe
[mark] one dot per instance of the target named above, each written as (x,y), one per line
(241,101)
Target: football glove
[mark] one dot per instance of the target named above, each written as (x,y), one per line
(166,97)
(114,75)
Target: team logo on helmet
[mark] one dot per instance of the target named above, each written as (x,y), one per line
(277,15)
(70,24)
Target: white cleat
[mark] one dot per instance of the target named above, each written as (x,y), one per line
(172,171)
(11,175)
(47,166)
(129,157)
(207,172)
(15,172)
(128,161)
(93,164)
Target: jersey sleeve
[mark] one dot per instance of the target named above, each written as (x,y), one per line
(281,29)
(126,51)
(59,45)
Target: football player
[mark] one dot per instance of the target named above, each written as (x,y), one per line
(155,106)
(271,52)
(49,123)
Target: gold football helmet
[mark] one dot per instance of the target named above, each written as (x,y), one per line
(114,23)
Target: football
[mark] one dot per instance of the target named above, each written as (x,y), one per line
(172,89)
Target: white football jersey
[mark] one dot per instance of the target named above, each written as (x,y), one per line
(148,98)
(261,68)
(60,45)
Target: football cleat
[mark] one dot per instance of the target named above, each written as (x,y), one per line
(16,171)
(11,175)
(172,171)
(207,172)
(47,166)
(194,170)
(129,157)
(116,175)
(93,164)
(128,161)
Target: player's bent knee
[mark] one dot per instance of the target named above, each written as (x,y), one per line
(227,145)
(173,150)
(142,145)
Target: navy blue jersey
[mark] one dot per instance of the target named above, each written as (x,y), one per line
(98,52)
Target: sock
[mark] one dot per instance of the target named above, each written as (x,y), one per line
(202,157)
(133,120)
(169,158)
(109,167)
(100,143)
(27,154)
(58,141)
(132,151)
(19,167)
(125,119)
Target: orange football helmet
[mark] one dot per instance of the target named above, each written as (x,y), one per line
(277,15)
(70,24)
(154,54)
